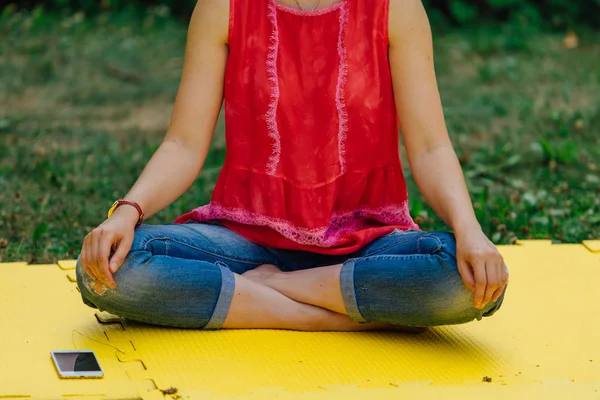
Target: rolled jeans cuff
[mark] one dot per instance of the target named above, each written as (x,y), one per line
(348,291)
(224,301)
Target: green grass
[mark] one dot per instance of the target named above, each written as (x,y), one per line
(85,102)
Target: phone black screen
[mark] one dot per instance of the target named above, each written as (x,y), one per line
(77,362)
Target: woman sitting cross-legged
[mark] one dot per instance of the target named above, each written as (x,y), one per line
(308,227)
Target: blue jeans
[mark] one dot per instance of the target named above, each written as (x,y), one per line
(182,275)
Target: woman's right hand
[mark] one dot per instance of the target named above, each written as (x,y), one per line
(115,234)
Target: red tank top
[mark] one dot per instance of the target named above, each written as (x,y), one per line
(311,129)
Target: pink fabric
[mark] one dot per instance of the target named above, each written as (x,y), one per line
(340,224)
(340,101)
(274,81)
(312,133)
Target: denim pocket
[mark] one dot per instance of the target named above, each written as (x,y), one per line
(406,240)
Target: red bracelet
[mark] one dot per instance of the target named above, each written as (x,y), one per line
(120,202)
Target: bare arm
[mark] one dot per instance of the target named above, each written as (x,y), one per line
(430,153)
(180,157)
(431,156)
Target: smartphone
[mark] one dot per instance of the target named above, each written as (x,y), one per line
(76,364)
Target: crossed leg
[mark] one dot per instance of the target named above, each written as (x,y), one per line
(414,281)
(256,305)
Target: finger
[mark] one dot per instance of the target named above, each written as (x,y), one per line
(122,250)
(504,282)
(498,292)
(466,274)
(493,280)
(86,257)
(93,255)
(83,262)
(88,272)
(103,253)
(480,283)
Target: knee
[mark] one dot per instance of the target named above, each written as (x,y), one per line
(458,307)
(90,289)
(494,306)
(85,284)
(455,305)
(449,301)
(97,295)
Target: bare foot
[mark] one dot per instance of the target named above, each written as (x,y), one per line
(262,273)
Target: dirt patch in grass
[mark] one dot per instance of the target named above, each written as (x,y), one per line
(150,118)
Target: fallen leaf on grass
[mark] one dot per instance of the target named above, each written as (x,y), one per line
(496,236)
(559,212)
(571,41)
(592,178)
(539,219)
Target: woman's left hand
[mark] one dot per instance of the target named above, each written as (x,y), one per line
(481,267)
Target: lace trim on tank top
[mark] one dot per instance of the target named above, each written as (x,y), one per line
(326,236)
(340,100)
(273,77)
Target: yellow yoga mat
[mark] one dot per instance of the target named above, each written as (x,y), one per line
(543,343)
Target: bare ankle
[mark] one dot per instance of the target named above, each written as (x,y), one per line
(263,274)
(275,278)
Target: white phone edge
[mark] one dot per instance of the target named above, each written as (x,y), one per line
(66,374)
